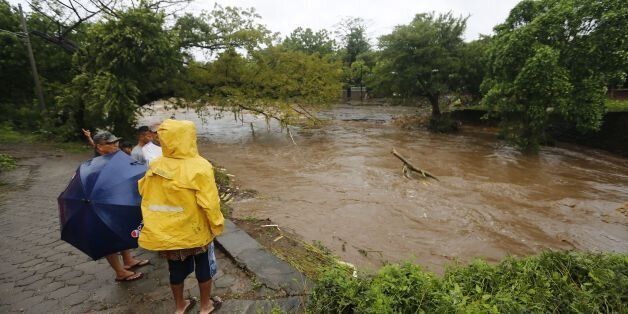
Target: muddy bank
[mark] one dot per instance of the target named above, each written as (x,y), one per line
(341,186)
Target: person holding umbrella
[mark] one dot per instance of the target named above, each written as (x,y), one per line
(106,143)
(181,212)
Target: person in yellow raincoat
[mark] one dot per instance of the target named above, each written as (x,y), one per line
(181,212)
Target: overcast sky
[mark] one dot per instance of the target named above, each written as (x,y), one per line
(381,15)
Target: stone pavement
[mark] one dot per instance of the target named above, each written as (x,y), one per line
(41,274)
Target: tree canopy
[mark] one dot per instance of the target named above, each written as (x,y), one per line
(421,58)
(310,42)
(101,61)
(129,56)
(555,57)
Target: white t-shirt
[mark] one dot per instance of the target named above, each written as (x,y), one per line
(137,154)
(151,151)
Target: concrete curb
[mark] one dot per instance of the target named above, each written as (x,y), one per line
(271,271)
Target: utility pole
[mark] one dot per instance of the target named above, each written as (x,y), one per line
(31,58)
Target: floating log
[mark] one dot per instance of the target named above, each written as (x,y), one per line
(410,167)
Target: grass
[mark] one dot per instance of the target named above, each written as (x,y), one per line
(551,282)
(10,136)
(7,162)
(615,105)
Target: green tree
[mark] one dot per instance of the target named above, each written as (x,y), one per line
(576,47)
(125,61)
(473,68)
(421,59)
(354,47)
(310,42)
(222,28)
(277,82)
(16,82)
(353,39)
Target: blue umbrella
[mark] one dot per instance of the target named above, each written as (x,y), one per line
(99,210)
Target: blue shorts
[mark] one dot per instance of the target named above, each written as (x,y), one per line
(203,264)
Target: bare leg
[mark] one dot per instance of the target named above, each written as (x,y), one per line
(205,289)
(115,263)
(127,258)
(180,303)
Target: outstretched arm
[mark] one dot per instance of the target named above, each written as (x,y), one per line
(88,135)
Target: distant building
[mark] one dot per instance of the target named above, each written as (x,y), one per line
(354,93)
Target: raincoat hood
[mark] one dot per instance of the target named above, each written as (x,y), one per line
(178,139)
(180,202)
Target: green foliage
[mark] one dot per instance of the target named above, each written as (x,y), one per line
(309,42)
(16,83)
(221,29)
(124,62)
(549,282)
(555,56)
(421,58)
(443,123)
(336,291)
(277,82)
(353,39)
(473,69)
(7,162)
(9,135)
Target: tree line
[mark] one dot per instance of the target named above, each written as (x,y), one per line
(100,62)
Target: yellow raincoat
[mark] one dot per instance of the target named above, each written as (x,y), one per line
(180,203)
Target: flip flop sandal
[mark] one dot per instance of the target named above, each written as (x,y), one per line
(217,303)
(137,264)
(190,305)
(131,277)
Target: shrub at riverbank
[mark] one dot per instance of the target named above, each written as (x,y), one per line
(549,282)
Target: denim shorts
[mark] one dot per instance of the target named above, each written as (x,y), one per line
(203,264)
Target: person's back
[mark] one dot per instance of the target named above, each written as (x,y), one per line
(181,211)
(180,182)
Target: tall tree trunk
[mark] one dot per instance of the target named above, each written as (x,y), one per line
(434,102)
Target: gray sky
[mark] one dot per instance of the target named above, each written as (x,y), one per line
(382,16)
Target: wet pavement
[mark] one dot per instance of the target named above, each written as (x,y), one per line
(39,273)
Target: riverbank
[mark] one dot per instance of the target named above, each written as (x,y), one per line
(612,136)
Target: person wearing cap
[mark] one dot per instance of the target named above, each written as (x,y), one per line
(107,143)
(152,149)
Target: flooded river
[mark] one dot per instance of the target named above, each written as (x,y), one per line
(341,185)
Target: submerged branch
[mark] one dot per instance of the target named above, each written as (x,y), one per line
(411,167)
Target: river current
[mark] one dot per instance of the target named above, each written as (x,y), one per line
(339,184)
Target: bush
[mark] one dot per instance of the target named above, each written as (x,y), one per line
(548,282)
(443,123)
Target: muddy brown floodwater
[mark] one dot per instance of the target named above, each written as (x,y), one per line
(340,185)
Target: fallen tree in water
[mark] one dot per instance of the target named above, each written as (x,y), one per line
(409,167)
(551,282)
